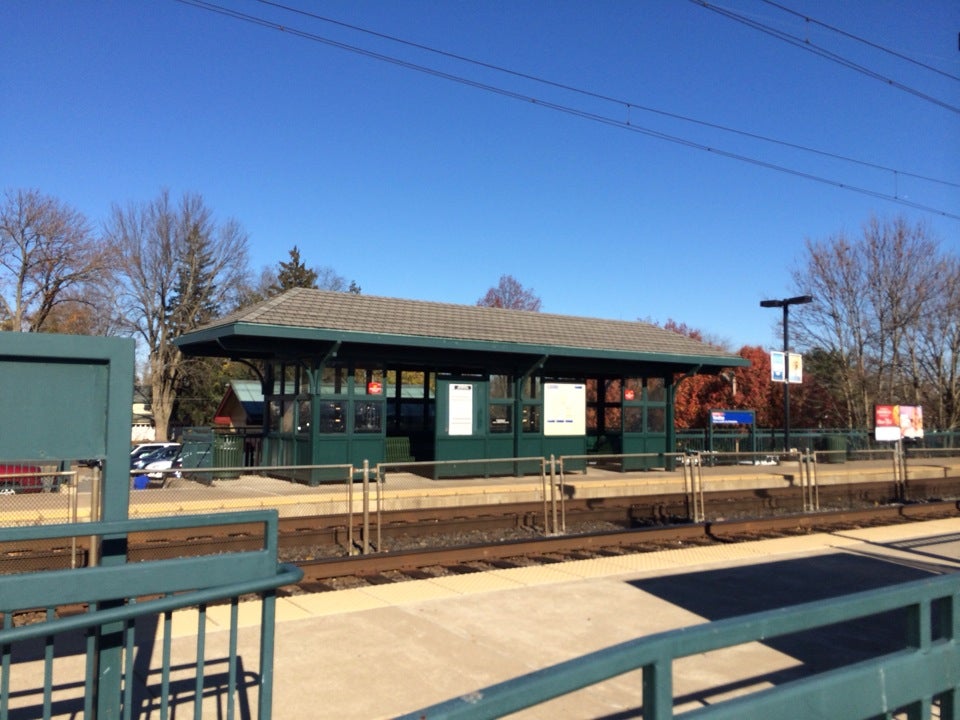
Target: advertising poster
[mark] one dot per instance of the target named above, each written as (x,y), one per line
(461,410)
(564,409)
(896,422)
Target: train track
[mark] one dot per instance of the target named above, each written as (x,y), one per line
(337,573)
(331,538)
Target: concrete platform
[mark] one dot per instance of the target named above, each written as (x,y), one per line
(382,651)
(408,490)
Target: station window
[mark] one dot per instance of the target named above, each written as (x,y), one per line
(501,387)
(303,416)
(531,418)
(501,418)
(286,421)
(369,381)
(633,390)
(275,414)
(656,391)
(532,388)
(331,417)
(333,381)
(611,419)
(368,417)
(632,419)
(656,419)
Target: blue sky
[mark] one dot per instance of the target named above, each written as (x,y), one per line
(418,186)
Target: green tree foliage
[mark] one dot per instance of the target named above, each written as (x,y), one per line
(293,274)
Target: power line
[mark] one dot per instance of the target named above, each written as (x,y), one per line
(859,39)
(576,112)
(628,105)
(823,52)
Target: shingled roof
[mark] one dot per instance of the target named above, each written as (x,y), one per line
(307,315)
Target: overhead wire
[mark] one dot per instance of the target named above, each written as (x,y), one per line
(857,38)
(823,52)
(626,104)
(576,112)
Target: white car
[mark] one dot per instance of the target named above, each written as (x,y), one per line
(160,459)
(146,448)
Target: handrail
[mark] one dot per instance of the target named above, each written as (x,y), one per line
(936,668)
(286,575)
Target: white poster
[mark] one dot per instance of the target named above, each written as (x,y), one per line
(564,409)
(461,410)
(778,367)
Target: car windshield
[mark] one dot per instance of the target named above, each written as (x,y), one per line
(165,453)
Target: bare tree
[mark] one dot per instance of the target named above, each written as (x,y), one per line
(49,260)
(510,294)
(175,269)
(876,297)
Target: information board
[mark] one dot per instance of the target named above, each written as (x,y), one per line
(564,409)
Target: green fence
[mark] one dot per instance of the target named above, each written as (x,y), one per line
(122,600)
(905,683)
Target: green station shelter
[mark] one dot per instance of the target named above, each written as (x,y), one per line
(349,377)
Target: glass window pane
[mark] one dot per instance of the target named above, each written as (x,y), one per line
(633,419)
(274,415)
(331,417)
(368,417)
(591,390)
(633,390)
(613,390)
(286,422)
(500,418)
(333,381)
(303,419)
(656,419)
(501,387)
(531,418)
(656,390)
(611,419)
(532,388)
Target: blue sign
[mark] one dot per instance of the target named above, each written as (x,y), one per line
(731,417)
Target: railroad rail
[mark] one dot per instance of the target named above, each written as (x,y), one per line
(319,575)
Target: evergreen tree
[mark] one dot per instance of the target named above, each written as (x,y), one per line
(294,273)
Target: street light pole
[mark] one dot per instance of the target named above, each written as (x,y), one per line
(785,304)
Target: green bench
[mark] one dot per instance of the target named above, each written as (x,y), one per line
(398,450)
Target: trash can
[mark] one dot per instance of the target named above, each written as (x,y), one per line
(836,449)
(227,453)
(141,482)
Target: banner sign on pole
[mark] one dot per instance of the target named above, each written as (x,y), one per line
(795,365)
(778,367)
(786,367)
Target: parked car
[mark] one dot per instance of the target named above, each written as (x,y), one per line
(160,459)
(147,448)
(12,481)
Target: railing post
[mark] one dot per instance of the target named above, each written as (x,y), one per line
(553,492)
(658,690)
(366,506)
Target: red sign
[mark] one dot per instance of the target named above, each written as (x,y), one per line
(374,388)
(628,394)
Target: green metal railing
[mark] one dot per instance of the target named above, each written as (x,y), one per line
(905,683)
(116,597)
